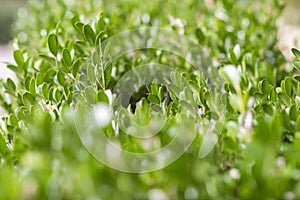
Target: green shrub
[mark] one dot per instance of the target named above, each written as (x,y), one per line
(257,153)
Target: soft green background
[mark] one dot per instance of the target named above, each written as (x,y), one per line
(8,10)
(47,161)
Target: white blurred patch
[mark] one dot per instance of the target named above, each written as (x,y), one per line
(249,116)
(102,113)
(234,173)
(6,55)
(109,96)
(280,162)
(289,195)
(2,113)
(191,193)
(233,74)
(220,13)
(113,150)
(145,18)
(289,37)
(237,50)
(178,24)
(157,194)
(7,98)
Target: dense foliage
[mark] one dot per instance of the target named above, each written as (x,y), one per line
(257,153)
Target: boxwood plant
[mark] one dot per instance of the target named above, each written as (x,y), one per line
(256,155)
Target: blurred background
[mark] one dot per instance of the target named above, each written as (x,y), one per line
(289,33)
(8,11)
(291,12)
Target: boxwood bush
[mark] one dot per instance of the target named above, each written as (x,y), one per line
(257,151)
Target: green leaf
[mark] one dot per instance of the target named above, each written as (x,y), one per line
(32,87)
(153,99)
(106,50)
(293,114)
(296,53)
(75,67)
(91,73)
(49,76)
(268,109)
(284,99)
(96,59)
(27,82)
(79,26)
(264,86)
(13,68)
(297,78)
(10,85)
(53,44)
(232,56)
(298,124)
(45,91)
(13,120)
(89,34)
(288,86)
(75,20)
(18,55)
(227,4)
(99,37)
(236,102)
(174,89)
(102,97)
(28,99)
(186,106)
(297,101)
(39,79)
(90,94)
(273,95)
(22,113)
(67,57)
(200,35)
(52,93)
(249,58)
(176,78)
(28,64)
(100,24)
(154,88)
(229,145)
(61,78)
(57,95)
(2,145)
(107,74)
(160,93)
(188,95)
(58,27)
(296,64)
(142,113)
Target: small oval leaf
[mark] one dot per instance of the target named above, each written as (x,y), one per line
(153,99)
(53,44)
(28,99)
(18,56)
(67,57)
(102,97)
(89,34)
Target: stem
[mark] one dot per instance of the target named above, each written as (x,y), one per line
(102,68)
